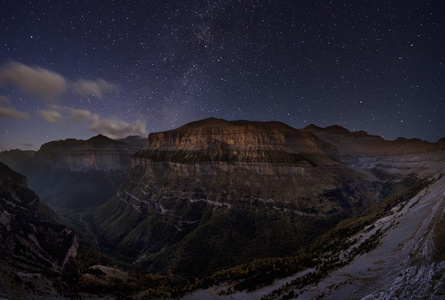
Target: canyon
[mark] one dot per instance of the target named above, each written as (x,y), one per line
(245,209)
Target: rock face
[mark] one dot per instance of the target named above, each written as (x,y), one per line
(241,160)
(79,174)
(244,140)
(35,248)
(209,177)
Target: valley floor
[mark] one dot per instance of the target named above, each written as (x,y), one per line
(405,264)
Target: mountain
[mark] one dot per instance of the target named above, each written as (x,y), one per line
(36,250)
(79,174)
(214,193)
(243,161)
(362,151)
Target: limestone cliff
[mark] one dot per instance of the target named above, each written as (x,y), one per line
(245,161)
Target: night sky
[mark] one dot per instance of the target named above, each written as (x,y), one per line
(73,69)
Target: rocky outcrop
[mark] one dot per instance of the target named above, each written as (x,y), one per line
(35,248)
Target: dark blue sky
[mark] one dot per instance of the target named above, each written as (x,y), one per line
(72,69)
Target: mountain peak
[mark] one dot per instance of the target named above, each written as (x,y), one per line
(100,139)
(312,127)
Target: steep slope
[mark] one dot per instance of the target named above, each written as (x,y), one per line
(35,250)
(79,174)
(214,193)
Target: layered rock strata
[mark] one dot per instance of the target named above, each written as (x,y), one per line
(214,159)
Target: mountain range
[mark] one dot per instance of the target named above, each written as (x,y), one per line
(236,202)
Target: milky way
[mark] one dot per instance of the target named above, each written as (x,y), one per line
(72,69)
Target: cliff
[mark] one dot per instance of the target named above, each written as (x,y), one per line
(241,160)
(241,140)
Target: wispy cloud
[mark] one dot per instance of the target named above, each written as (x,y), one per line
(78,115)
(114,128)
(49,86)
(111,127)
(51,116)
(98,87)
(6,112)
(28,145)
(36,81)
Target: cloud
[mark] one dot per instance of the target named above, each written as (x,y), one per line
(6,112)
(28,145)
(50,116)
(78,115)
(111,127)
(115,129)
(97,88)
(37,81)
